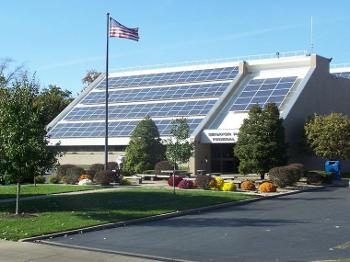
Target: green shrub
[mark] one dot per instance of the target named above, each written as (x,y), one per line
(283,176)
(107,177)
(203,182)
(163,165)
(54,179)
(73,174)
(318,177)
(40,180)
(125,182)
(314,177)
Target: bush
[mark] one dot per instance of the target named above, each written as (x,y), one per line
(149,172)
(267,187)
(185,184)
(107,177)
(125,182)
(93,169)
(319,177)
(40,180)
(203,182)
(327,177)
(284,175)
(297,168)
(248,185)
(62,169)
(228,186)
(163,165)
(177,180)
(54,179)
(111,166)
(73,174)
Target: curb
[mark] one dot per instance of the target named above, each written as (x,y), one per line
(162,216)
(127,254)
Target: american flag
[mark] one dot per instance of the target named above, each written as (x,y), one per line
(118,30)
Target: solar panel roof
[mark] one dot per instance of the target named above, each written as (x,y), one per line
(263,91)
(162,96)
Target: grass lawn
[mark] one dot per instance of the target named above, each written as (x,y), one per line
(40,189)
(61,213)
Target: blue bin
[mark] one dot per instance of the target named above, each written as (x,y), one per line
(333,167)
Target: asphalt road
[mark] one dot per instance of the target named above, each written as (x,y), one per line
(303,227)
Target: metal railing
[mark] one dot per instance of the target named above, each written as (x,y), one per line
(286,54)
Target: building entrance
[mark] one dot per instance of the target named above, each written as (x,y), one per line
(223,159)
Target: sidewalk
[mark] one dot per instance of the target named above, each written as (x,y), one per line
(25,252)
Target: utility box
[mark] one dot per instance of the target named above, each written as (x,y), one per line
(333,167)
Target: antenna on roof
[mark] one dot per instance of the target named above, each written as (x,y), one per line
(311,36)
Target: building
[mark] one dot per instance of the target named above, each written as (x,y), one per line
(214,97)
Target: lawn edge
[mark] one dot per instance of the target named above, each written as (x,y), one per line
(162,216)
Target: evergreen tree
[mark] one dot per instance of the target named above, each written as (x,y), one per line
(145,148)
(261,141)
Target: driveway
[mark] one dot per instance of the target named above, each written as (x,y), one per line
(302,227)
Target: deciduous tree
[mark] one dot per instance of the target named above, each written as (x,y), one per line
(23,142)
(329,136)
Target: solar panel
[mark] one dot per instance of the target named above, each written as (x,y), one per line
(115,129)
(263,91)
(157,93)
(160,79)
(130,111)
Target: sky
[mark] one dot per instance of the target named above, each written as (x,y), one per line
(59,40)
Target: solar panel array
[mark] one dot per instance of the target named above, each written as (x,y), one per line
(168,95)
(116,129)
(263,91)
(171,78)
(343,74)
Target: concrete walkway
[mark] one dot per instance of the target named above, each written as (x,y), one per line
(31,252)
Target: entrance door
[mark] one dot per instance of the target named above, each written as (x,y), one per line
(223,159)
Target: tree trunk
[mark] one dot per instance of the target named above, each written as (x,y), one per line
(17,197)
(34,180)
(262,176)
(174,177)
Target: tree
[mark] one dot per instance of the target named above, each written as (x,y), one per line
(91,76)
(8,74)
(23,142)
(145,148)
(54,100)
(329,136)
(179,149)
(261,141)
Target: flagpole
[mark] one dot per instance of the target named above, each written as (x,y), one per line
(106,99)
